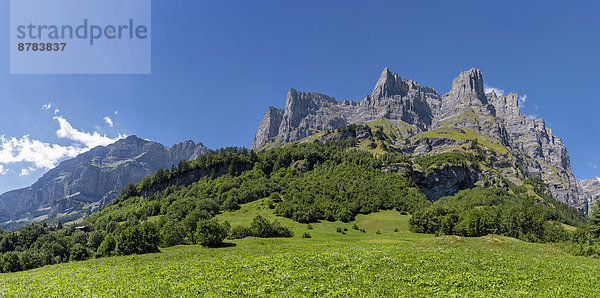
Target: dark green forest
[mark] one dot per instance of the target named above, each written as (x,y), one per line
(307,183)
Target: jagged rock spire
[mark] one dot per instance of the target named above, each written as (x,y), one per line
(467,94)
(469,85)
(389,84)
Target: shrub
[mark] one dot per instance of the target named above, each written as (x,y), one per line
(172,233)
(78,253)
(95,239)
(31,258)
(211,233)
(107,247)
(261,227)
(10,262)
(239,232)
(231,204)
(265,229)
(306,235)
(138,239)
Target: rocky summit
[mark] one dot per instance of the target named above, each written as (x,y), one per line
(427,123)
(78,186)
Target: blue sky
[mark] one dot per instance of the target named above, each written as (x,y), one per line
(217,66)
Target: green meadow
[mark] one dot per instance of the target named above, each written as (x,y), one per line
(384,260)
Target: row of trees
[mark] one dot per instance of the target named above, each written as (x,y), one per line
(482,211)
(37,245)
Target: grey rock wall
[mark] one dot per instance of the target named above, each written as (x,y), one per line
(466,105)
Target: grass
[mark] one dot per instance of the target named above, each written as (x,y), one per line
(328,264)
(462,133)
(396,128)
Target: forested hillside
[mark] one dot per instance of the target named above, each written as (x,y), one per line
(308,182)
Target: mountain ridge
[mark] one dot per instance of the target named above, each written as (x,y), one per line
(531,143)
(78,186)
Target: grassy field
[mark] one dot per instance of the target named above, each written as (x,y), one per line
(328,264)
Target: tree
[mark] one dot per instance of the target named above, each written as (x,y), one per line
(138,239)
(78,253)
(95,239)
(172,233)
(11,262)
(261,227)
(594,221)
(107,247)
(211,233)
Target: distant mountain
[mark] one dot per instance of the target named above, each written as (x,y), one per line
(78,186)
(423,122)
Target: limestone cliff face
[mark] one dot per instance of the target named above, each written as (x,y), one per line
(548,157)
(304,114)
(465,106)
(592,188)
(92,179)
(466,95)
(542,153)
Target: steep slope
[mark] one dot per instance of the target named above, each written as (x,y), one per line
(427,123)
(92,179)
(540,152)
(592,188)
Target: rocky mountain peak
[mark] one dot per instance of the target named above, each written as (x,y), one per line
(467,95)
(390,84)
(506,106)
(306,100)
(187,150)
(407,104)
(132,139)
(79,185)
(469,84)
(306,113)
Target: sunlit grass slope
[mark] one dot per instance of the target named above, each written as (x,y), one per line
(327,264)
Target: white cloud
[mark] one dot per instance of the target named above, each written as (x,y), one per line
(56,111)
(47,106)
(593,165)
(116,113)
(90,140)
(40,154)
(522,100)
(487,89)
(108,121)
(532,116)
